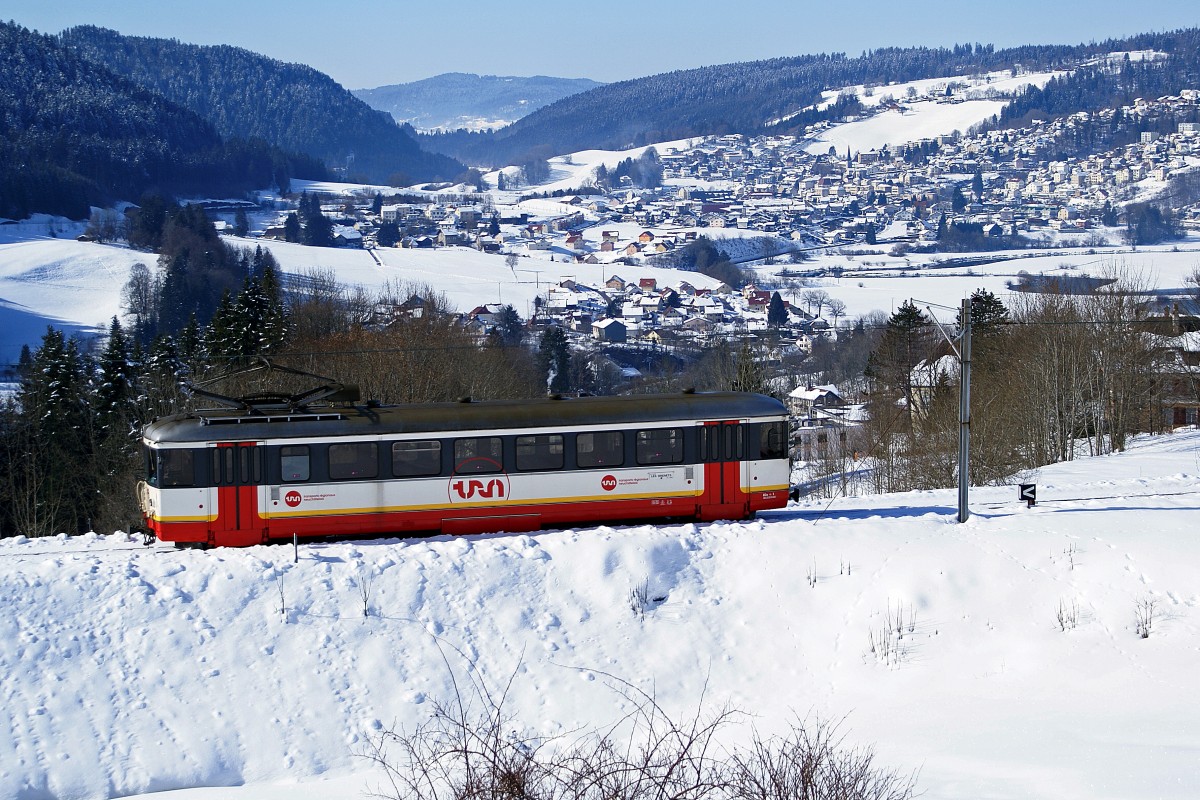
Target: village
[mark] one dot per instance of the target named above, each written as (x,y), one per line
(767,204)
(766,200)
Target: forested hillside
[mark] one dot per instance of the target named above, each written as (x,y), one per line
(243,94)
(73,135)
(1113,85)
(459,99)
(758,96)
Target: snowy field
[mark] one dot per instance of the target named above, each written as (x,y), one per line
(925,120)
(130,670)
(77,285)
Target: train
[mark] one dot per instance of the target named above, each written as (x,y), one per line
(246,476)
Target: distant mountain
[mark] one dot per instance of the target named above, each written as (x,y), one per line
(73,135)
(462,100)
(248,95)
(751,97)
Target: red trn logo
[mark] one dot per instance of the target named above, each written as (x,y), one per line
(470,488)
(608,483)
(292,498)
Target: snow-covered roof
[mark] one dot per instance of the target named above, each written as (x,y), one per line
(806,392)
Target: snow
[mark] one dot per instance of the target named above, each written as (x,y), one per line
(134,670)
(570,172)
(918,121)
(974,99)
(72,285)
(881,282)
(966,86)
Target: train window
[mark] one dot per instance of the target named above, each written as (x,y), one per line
(353,460)
(411,459)
(709,443)
(483,454)
(176,468)
(151,466)
(772,440)
(606,449)
(733,442)
(660,446)
(544,451)
(294,463)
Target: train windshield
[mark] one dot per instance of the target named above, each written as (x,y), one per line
(173,468)
(773,440)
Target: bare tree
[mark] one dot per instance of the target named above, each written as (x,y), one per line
(837,308)
(815,299)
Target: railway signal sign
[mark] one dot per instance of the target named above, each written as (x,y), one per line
(1028,493)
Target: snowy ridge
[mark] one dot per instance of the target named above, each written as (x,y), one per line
(129,670)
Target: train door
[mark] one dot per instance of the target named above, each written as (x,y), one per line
(721,448)
(237,472)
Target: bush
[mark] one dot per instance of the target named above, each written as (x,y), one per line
(462,753)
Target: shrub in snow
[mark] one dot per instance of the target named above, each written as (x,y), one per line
(1068,615)
(1144,614)
(470,749)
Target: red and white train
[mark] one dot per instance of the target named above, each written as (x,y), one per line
(242,477)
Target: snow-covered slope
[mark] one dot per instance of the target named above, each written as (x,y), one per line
(71,285)
(126,669)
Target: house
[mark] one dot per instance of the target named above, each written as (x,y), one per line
(609,330)
(345,236)
(926,377)
(1180,376)
(803,400)
(447,238)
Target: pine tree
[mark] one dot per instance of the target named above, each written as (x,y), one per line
(906,340)
(958,200)
(175,304)
(57,487)
(750,374)
(388,234)
(554,360)
(159,378)
(509,328)
(241,224)
(273,328)
(291,228)
(114,446)
(220,336)
(112,399)
(776,312)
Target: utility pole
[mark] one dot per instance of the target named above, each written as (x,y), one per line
(963,351)
(964,411)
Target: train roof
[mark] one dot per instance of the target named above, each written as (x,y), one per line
(548,412)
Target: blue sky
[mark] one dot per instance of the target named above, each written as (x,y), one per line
(373,42)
